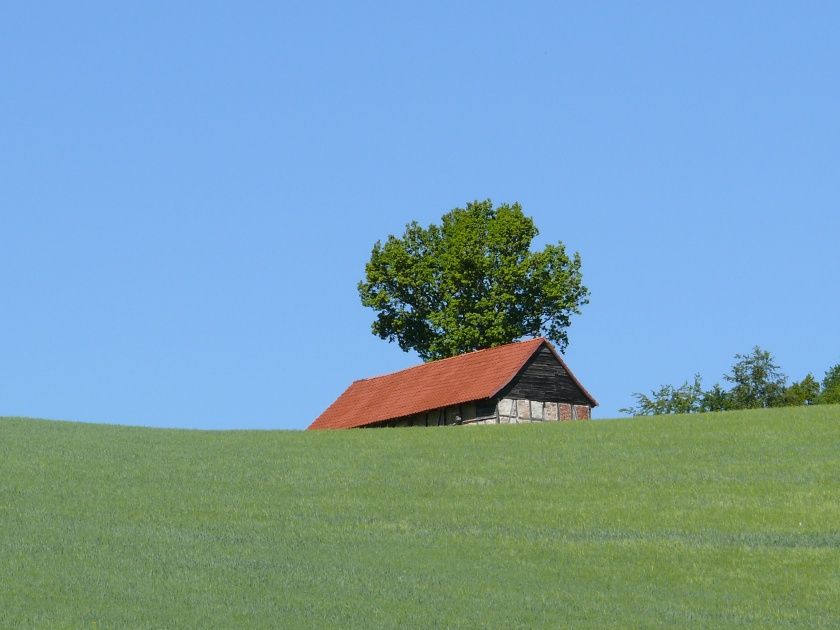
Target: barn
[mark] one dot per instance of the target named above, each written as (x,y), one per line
(526,381)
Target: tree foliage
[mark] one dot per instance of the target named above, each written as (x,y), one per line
(805,392)
(687,398)
(831,386)
(716,399)
(756,381)
(471,282)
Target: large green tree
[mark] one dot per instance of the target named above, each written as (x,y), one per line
(471,282)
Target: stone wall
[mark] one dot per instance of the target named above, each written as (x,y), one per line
(581,412)
(519,411)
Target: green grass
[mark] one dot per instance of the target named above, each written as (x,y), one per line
(719,520)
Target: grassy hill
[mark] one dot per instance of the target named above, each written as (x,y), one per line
(707,521)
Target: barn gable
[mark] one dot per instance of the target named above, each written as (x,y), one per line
(545,377)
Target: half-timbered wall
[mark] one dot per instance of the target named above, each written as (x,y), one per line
(506,411)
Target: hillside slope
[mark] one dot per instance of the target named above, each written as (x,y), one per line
(707,521)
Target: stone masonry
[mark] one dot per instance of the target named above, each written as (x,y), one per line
(511,411)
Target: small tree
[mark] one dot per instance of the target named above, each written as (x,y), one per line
(756,381)
(805,392)
(831,386)
(716,399)
(471,282)
(687,398)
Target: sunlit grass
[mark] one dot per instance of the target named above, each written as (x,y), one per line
(706,521)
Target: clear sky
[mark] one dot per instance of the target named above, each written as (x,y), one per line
(189,191)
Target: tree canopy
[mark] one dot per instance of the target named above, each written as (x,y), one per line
(471,282)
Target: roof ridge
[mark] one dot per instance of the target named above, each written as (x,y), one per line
(457,356)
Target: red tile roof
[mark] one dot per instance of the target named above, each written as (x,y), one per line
(453,381)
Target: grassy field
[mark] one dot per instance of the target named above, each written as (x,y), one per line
(720,520)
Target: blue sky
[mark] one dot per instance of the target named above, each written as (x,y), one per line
(189,191)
